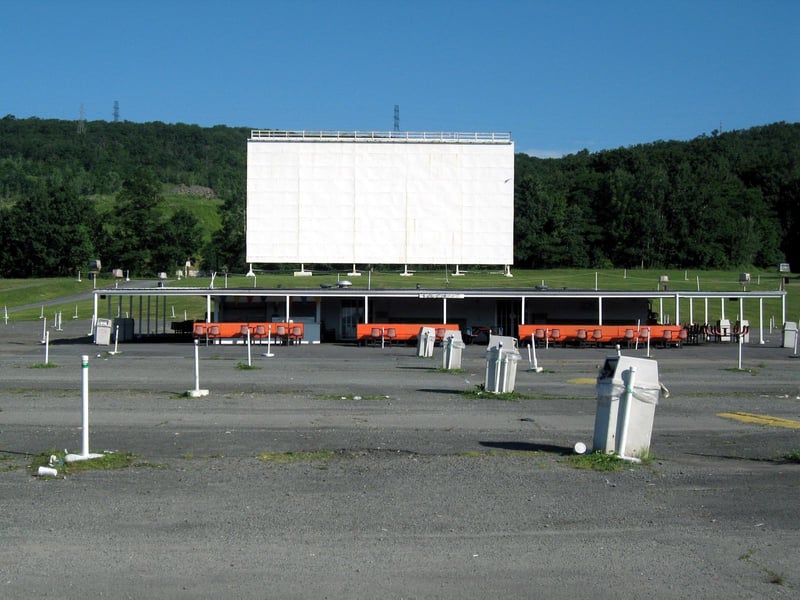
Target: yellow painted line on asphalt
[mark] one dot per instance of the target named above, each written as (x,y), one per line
(761,419)
(582,380)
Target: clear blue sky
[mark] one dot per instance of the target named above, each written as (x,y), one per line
(559,75)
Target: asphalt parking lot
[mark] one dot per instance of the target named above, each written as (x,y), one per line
(427,492)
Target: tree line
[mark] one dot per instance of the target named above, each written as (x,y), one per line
(717,201)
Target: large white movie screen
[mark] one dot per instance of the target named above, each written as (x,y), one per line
(380,198)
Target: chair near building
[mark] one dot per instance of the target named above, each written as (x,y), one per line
(296,334)
(375,336)
(630,337)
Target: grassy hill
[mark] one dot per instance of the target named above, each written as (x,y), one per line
(205,209)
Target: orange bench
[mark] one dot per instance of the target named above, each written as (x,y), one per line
(286,332)
(600,334)
(400,332)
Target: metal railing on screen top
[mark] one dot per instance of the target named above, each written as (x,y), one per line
(433,136)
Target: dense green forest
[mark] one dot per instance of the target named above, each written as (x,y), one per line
(72,191)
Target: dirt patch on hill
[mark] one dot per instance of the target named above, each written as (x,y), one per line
(193,190)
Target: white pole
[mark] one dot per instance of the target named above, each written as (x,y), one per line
(59,328)
(269,353)
(648,342)
(76,312)
(41,315)
(196,367)
(535,366)
(47,348)
(497,369)
(197,392)
(5,314)
(44,328)
(116,338)
(627,398)
(741,337)
(85,388)
(761,321)
(698,283)
(249,360)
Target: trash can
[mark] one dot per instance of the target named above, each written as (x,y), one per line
(789,334)
(744,326)
(501,369)
(724,326)
(628,390)
(451,358)
(102,332)
(425,342)
(508,342)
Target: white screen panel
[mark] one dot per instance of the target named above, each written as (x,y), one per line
(387,202)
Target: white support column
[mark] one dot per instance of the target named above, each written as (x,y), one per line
(366,309)
(522,316)
(444,310)
(677,309)
(783,310)
(599,310)
(761,321)
(208,308)
(741,310)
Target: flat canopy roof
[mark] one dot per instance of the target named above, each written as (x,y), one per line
(349,292)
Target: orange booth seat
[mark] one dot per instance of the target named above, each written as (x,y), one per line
(601,335)
(400,332)
(259,331)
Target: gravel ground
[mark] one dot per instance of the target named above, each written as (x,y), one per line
(428,493)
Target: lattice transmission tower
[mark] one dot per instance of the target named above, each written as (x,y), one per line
(82,121)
